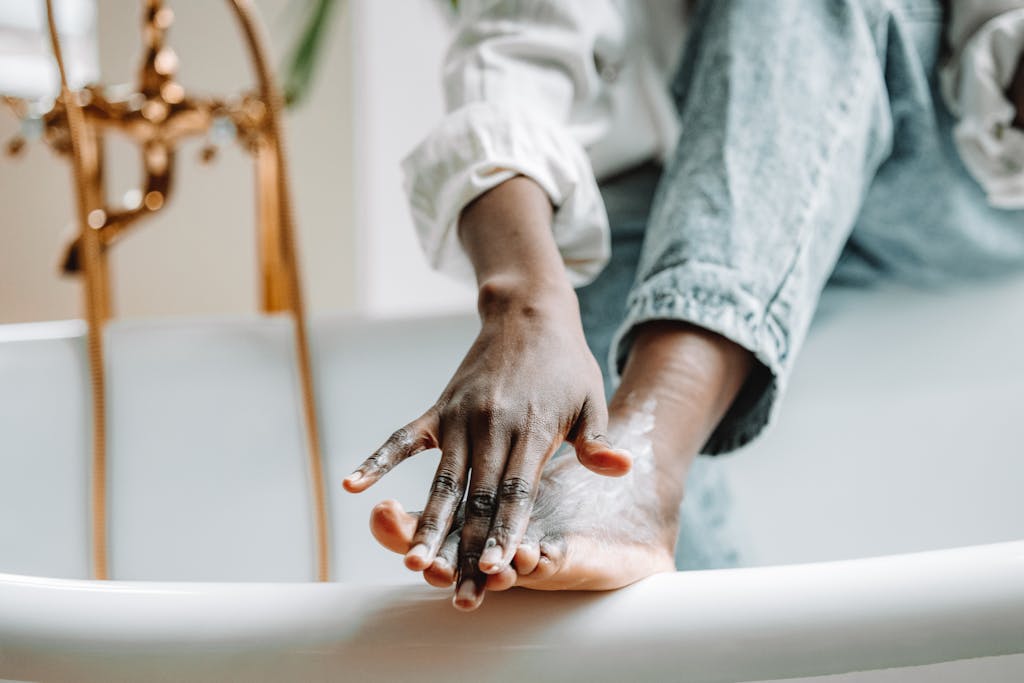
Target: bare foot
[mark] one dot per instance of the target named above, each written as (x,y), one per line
(586,533)
(589,532)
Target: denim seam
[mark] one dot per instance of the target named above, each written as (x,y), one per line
(838,135)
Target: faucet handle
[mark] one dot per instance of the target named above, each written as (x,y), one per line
(30,130)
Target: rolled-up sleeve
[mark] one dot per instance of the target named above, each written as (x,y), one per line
(987,37)
(525,97)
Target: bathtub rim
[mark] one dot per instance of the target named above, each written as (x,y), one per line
(755,623)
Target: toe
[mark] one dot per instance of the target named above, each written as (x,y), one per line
(440,573)
(501,581)
(392,526)
(526,558)
(549,562)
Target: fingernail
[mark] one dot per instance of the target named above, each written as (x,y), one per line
(354,477)
(490,560)
(465,596)
(416,558)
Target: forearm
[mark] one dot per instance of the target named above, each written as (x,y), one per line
(506,233)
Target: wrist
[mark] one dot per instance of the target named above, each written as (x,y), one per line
(526,295)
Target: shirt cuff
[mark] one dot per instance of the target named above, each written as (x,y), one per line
(974,86)
(480,146)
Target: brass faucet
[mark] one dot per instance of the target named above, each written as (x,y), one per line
(157,113)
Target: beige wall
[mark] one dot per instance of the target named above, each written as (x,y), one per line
(198,255)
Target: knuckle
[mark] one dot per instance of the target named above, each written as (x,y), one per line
(377,463)
(429,525)
(481,504)
(535,431)
(486,414)
(532,421)
(458,409)
(446,484)
(400,437)
(516,490)
(501,532)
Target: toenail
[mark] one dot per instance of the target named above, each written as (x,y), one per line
(416,558)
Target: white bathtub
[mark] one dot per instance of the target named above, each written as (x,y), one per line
(902,443)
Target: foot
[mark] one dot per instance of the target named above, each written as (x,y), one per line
(586,532)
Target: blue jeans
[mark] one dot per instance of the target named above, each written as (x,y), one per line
(815,148)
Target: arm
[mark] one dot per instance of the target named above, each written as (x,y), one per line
(503,190)
(524,97)
(527,384)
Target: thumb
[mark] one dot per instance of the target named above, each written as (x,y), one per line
(593,449)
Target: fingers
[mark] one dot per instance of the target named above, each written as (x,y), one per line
(445,496)
(502,581)
(515,500)
(441,572)
(592,446)
(417,436)
(490,453)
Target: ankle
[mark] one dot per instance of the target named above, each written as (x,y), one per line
(681,379)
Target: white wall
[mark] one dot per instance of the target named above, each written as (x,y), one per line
(198,255)
(398,46)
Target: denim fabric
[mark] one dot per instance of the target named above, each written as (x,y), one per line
(814,147)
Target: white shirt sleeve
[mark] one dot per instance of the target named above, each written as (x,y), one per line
(987,37)
(526,95)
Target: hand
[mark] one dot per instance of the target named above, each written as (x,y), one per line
(589,533)
(1016,94)
(528,384)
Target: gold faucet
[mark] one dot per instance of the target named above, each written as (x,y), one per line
(156,114)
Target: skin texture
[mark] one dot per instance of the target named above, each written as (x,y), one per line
(527,384)
(589,533)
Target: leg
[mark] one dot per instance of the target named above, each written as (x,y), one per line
(593,533)
(787,111)
(706,538)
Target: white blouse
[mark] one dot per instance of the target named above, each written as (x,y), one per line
(569,91)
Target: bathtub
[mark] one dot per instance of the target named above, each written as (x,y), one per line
(883,515)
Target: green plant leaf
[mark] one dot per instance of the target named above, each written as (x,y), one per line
(300,66)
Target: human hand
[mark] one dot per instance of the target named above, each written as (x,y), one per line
(527,384)
(592,533)
(585,532)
